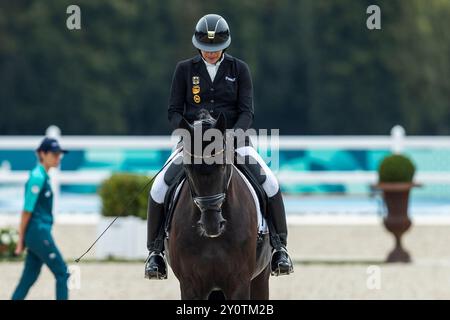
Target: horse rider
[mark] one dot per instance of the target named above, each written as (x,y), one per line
(219,83)
(36,224)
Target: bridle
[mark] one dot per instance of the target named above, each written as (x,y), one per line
(213,202)
(204,157)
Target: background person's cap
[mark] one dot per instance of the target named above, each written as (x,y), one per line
(50,145)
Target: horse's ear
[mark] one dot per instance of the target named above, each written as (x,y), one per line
(184,124)
(221,123)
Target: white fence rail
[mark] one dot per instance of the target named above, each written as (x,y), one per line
(397,141)
(328,177)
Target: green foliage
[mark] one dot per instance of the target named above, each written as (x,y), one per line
(8,242)
(396,168)
(316,68)
(118,190)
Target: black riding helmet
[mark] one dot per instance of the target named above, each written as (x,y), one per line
(211,33)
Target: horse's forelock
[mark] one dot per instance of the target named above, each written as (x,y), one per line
(204,119)
(204,114)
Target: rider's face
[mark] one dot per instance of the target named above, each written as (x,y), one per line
(212,57)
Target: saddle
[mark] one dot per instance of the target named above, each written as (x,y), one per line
(175,177)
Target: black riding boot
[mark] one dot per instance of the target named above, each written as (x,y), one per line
(155,265)
(281,263)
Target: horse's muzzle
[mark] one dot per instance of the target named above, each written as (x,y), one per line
(211,224)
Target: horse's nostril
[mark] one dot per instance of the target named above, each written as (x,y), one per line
(222,224)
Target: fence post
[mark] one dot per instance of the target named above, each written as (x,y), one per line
(54,132)
(397,139)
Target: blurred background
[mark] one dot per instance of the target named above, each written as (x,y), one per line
(316,67)
(342,96)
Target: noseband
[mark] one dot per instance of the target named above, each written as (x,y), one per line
(213,202)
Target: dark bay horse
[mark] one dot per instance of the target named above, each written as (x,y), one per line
(213,244)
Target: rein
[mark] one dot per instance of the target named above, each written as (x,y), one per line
(131,200)
(204,157)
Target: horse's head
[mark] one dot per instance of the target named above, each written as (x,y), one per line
(207,170)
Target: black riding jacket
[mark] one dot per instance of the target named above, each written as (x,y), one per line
(231,92)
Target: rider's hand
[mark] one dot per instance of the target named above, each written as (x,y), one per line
(19,248)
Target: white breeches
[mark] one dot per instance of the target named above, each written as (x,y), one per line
(270,185)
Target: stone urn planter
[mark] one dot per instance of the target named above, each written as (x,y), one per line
(395,181)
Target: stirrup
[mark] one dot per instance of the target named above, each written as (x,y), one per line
(278,271)
(157,275)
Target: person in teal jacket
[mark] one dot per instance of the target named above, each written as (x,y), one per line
(36,224)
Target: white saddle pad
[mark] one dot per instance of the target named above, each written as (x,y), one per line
(262,224)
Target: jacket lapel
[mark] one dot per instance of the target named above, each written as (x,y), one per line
(222,68)
(200,68)
(220,71)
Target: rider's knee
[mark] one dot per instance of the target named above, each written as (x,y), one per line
(160,185)
(158,189)
(271,185)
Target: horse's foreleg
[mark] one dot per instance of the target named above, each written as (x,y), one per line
(260,285)
(190,291)
(239,292)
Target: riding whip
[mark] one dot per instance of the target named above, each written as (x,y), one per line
(127,205)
